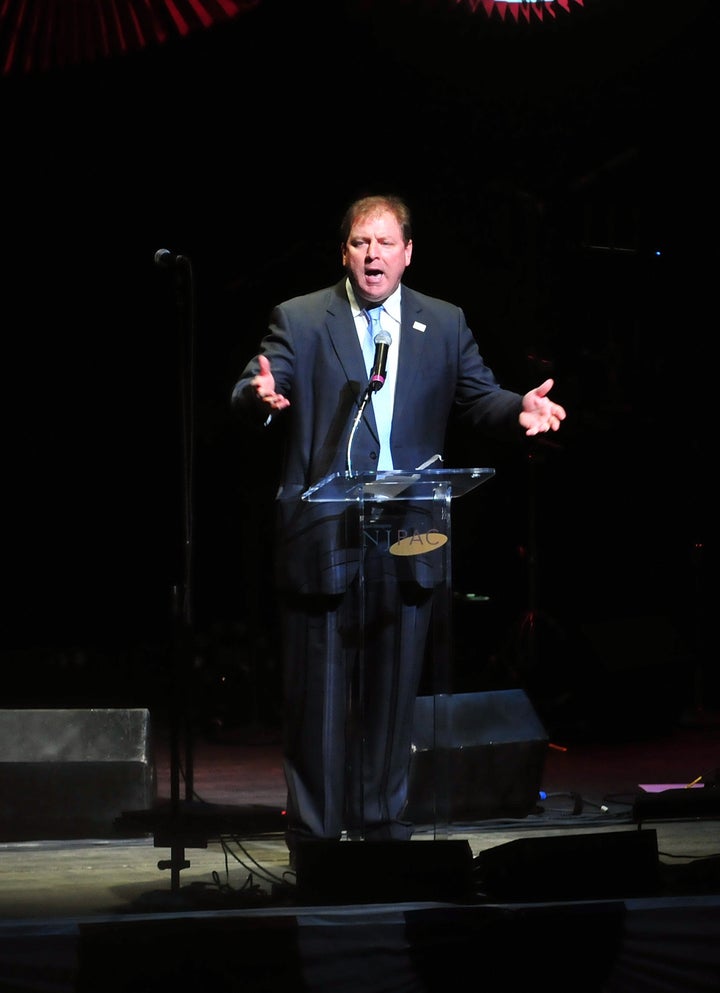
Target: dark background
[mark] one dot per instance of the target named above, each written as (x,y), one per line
(563,179)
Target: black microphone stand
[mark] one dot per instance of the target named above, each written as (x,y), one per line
(185,823)
(181,733)
(171,826)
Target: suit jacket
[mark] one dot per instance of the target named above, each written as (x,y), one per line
(318,364)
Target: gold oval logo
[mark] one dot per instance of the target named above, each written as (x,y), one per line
(419,544)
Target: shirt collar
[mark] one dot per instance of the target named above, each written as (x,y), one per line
(391,305)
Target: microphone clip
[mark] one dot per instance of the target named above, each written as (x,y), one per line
(170,260)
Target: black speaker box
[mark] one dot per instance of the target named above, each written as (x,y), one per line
(607,865)
(333,872)
(71,773)
(493,764)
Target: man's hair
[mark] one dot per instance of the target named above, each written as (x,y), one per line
(367,206)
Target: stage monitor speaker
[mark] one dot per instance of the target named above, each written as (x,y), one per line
(607,865)
(332,872)
(70,773)
(495,762)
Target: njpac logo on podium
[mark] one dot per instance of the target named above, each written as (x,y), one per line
(404,542)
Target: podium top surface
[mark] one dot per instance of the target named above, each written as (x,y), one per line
(423,484)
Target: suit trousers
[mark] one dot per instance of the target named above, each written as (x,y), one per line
(352,664)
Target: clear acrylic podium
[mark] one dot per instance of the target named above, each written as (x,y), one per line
(400,523)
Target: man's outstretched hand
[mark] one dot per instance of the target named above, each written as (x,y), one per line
(540,413)
(264,386)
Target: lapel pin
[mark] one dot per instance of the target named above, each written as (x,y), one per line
(417,326)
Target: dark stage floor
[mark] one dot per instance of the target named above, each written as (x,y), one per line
(196,885)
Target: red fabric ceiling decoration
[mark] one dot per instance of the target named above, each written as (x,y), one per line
(37,35)
(47,34)
(515,9)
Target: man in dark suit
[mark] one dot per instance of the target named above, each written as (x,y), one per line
(346,773)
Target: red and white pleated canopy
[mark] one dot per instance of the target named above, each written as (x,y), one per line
(37,35)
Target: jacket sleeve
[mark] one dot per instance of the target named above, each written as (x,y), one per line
(278,348)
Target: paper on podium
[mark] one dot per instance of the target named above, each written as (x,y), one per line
(391,486)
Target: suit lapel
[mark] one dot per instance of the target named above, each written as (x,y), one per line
(343,337)
(412,349)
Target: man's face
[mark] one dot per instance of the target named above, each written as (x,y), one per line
(375,256)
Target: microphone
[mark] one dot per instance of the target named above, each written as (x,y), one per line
(377,376)
(169,260)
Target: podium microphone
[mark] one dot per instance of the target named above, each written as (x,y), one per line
(383,341)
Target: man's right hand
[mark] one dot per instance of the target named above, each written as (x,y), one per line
(264,386)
